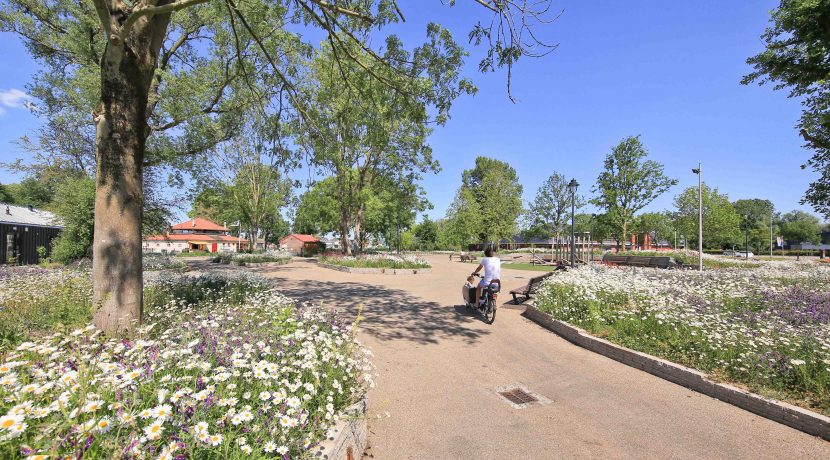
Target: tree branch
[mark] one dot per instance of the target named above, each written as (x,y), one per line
(141,12)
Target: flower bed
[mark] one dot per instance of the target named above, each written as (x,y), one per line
(35,301)
(253,259)
(225,367)
(154,261)
(766,328)
(388,261)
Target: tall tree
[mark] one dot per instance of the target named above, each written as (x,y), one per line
(760,213)
(800,227)
(797,58)
(427,234)
(550,209)
(721,223)
(628,184)
(659,225)
(489,201)
(167,78)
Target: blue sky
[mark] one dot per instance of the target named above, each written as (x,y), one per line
(668,71)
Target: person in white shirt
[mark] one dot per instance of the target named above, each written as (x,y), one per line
(492,271)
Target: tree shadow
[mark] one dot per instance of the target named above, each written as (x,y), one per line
(388,314)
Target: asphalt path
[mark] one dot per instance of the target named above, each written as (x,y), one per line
(440,367)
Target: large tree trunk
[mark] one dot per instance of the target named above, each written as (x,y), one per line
(121,132)
(359,232)
(344,232)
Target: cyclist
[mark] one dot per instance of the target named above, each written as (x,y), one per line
(492,271)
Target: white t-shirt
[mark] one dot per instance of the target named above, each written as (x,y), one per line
(492,269)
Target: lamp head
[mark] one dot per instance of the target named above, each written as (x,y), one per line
(572,185)
(696,170)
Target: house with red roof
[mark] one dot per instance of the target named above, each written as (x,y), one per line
(196,234)
(301,245)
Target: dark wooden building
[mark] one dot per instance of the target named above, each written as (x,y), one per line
(22,230)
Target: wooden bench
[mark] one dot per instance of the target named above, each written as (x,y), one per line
(641,261)
(530,288)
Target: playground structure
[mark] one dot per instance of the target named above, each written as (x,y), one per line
(559,251)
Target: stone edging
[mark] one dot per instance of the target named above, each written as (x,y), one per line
(376,271)
(348,438)
(781,412)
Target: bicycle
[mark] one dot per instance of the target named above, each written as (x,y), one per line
(487,303)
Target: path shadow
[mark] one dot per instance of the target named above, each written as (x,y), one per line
(388,314)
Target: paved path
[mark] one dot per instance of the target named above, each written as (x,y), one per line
(439,367)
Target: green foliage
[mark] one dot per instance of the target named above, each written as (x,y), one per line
(427,234)
(797,58)
(75,206)
(549,213)
(5,195)
(31,191)
(721,224)
(660,225)
(487,205)
(758,214)
(800,227)
(628,184)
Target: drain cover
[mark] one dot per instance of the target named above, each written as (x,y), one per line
(518,396)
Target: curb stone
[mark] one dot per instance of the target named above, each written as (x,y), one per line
(781,412)
(348,438)
(376,271)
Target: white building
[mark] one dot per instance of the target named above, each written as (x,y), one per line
(194,235)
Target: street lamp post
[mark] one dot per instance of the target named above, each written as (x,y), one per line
(770,235)
(699,172)
(572,185)
(746,237)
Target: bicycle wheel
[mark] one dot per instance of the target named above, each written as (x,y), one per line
(490,311)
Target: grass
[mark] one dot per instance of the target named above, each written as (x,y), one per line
(690,260)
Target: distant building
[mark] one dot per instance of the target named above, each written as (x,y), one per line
(194,235)
(301,245)
(23,229)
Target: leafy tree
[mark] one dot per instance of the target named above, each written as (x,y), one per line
(427,234)
(167,80)
(76,209)
(490,200)
(797,58)
(628,184)
(721,223)
(660,225)
(32,191)
(318,209)
(800,227)
(759,213)
(550,211)
(5,195)
(463,220)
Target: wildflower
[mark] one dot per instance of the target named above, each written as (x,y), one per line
(797,362)
(8,421)
(215,440)
(154,430)
(269,447)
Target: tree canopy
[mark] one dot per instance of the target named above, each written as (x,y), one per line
(721,223)
(797,58)
(628,184)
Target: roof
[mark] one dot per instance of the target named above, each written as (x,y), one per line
(12,214)
(195,237)
(301,237)
(199,223)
